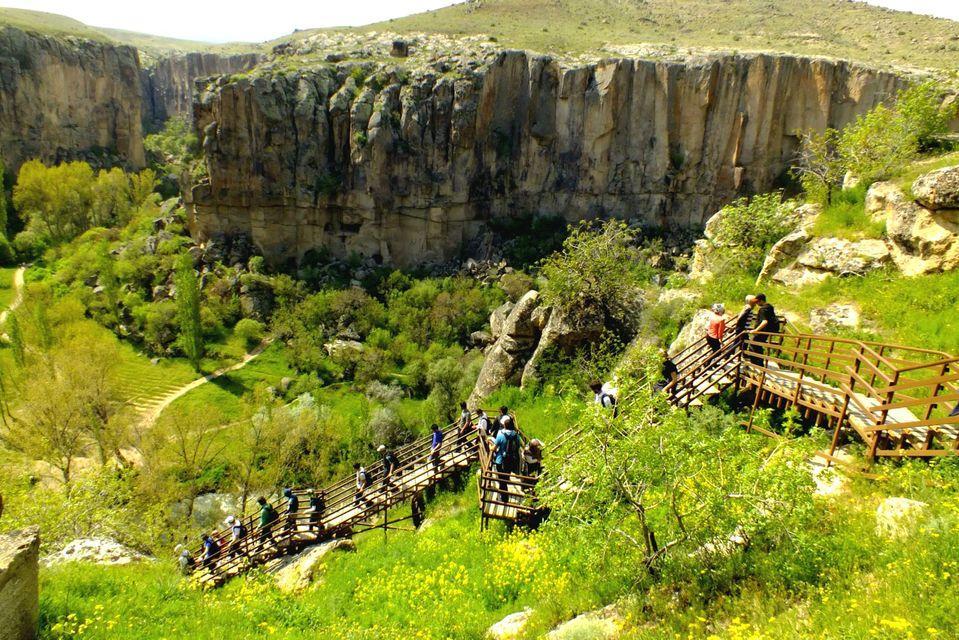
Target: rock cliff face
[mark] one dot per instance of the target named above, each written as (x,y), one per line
(407,165)
(62,98)
(168,83)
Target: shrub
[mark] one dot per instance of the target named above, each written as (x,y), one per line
(755,223)
(250,331)
(30,245)
(516,284)
(7,254)
(598,270)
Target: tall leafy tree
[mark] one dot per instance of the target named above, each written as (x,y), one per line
(188,310)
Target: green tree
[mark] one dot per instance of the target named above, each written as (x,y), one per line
(55,201)
(924,113)
(597,270)
(4,221)
(188,310)
(110,198)
(142,186)
(876,143)
(819,166)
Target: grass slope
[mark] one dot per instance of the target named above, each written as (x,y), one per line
(852,30)
(58,25)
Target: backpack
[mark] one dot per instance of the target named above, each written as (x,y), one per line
(240,531)
(511,456)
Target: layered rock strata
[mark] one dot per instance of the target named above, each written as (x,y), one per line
(63,98)
(407,165)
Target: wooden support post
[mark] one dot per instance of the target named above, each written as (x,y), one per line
(835,435)
(759,391)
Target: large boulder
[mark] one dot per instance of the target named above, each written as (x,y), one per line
(19,584)
(692,331)
(938,189)
(799,260)
(603,624)
(515,342)
(511,627)
(898,517)
(563,332)
(297,572)
(96,550)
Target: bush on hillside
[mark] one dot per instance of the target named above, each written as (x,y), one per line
(250,331)
(599,269)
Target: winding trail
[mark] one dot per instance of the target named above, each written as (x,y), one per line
(17,294)
(152,412)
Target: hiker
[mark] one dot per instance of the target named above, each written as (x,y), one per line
(268,518)
(533,458)
(210,550)
(390,464)
(317,507)
(483,424)
(605,395)
(505,421)
(746,318)
(185,560)
(716,327)
(362,480)
(436,443)
(767,322)
(292,506)
(506,455)
(466,427)
(237,536)
(669,372)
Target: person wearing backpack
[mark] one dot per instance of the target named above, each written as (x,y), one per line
(507,453)
(465,427)
(604,396)
(767,322)
(268,518)
(390,464)
(436,443)
(210,550)
(292,506)
(237,536)
(483,424)
(505,421)
(317,507)
(362,481)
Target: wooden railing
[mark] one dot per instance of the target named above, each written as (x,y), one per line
(507,496)
(419,468)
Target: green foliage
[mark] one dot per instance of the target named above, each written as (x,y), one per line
(755,223)
(924,115)
(819,166)
(188,311)
(876,143)
(7,254)
(597,271)
(61,202)
(846,217)
(176,149)
(250,331)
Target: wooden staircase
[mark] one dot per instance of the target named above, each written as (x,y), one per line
(346,512)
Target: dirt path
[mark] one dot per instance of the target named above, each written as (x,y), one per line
(17,294)
(150,416)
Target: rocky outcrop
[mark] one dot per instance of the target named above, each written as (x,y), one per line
(511,627)
(559,333)
(296,573)
(603,624)
(692,331)
(921,239)
(899,517)
(19,584)
(938,189)
(515,339)
(65,98)
(408,164)
(95,550)
(168,83)
(835,316)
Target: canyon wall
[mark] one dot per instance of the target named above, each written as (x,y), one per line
(63,98)
(407,165)
(168,83)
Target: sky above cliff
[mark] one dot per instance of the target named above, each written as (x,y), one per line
(222,21)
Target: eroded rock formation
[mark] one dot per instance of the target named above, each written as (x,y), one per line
(407,165)
(63,98)
(19,584)
(168,83)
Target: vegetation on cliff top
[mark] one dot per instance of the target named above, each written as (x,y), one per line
(850,30)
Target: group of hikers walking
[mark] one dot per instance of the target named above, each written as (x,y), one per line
(276,524)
